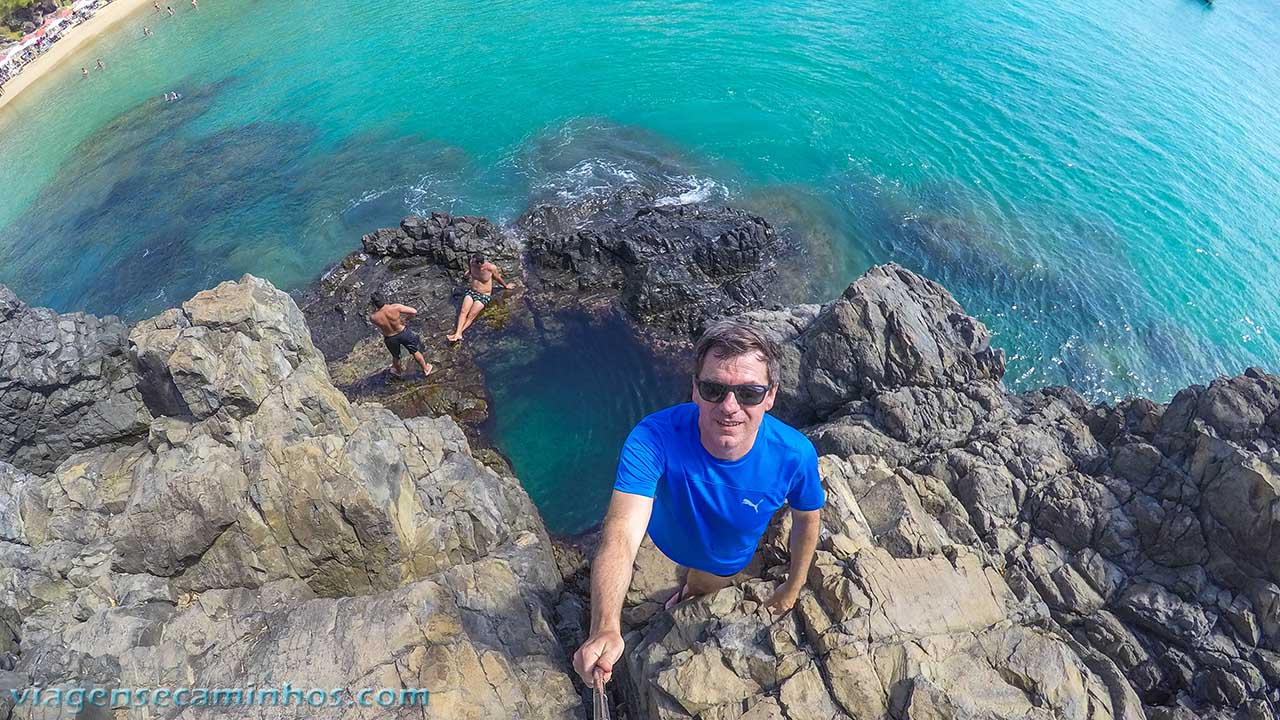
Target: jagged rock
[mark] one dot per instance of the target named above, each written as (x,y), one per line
(67,383)
(419,264)
(890,329)
(805,695)
(441,239)
(988,555)
(675,266)
(217,546)
(983,555)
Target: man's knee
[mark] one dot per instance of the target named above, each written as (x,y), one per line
(702,582)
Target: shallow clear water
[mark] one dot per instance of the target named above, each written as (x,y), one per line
(1096,181)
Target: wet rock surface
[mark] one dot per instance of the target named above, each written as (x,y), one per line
(673,266)
(421,264)
(668,268)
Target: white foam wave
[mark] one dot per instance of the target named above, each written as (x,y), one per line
(594,177)
(694,190)
(600,177)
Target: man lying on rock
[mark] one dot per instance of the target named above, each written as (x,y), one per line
(704,478)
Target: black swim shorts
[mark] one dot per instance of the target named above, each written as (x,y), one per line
(403,339)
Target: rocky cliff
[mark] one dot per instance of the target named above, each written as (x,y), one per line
(192,502)
(990,555)
(262,529)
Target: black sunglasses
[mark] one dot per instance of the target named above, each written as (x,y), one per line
(714,392)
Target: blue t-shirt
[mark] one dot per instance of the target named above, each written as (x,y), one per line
(708,513)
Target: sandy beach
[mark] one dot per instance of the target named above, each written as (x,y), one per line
(73,40)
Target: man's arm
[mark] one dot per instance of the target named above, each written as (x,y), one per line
(805,527)
(406,310)
(624,527)
(497,275)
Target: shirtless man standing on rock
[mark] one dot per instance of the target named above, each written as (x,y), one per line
(481,273)
(389,319)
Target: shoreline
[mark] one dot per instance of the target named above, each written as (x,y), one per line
(75,38)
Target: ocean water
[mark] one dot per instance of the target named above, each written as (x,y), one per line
(1098,182)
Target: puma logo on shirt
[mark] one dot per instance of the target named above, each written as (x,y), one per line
(753,505)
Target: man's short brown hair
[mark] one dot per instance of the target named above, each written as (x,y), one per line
(732,338)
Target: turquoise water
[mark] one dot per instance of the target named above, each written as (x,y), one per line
(1096,181)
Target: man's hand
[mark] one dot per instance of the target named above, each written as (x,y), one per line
(784,598)
(805,526)
(602,651)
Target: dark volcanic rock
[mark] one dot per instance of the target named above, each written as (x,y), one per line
(67,383)
(675,266)
(420,264)
(670,268)
(441,240)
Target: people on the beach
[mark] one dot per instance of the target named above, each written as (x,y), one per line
(146,31)
(169,8)
(195,4)
(156,5)
(28,55)
(703,479)
(390,321)
(482,275)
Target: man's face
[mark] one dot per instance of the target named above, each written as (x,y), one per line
(728,428)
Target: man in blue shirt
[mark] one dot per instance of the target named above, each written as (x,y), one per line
(704,478)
